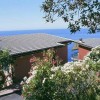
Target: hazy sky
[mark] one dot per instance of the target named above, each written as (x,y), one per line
(24,15)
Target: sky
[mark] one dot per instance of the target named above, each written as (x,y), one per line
(24,15)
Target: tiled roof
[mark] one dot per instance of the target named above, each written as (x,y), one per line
(90,42)
(18,44)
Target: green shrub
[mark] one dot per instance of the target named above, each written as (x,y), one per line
(2,79)
(93,59)
(73,81)
(5,66)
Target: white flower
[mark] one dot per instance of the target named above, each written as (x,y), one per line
(68,67)
(32,76)
(25,78)
(21,83)
(98,61)
(54,69)
(87,58)
(83,69)
(34,72)
(87,66)
(97,52)
(29,79)
(52,76)
(43,81)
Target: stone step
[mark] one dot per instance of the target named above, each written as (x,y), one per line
(8,91)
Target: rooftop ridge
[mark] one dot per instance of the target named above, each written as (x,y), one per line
(89,42)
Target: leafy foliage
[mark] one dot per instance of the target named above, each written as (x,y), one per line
(93,59)
(2,79)
(78,13)
(5,61)
(73,81)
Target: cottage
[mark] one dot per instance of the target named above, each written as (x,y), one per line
(23,47)
(85,46)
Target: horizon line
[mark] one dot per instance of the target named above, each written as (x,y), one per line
(37,29)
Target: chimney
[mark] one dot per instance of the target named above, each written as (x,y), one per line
(81,40)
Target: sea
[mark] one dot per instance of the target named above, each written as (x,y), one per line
(83,33)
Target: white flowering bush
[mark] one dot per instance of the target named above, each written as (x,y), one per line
(2,79)
(73,81)
(5,69)
(93,59)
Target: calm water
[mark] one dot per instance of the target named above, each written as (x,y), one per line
(58,32)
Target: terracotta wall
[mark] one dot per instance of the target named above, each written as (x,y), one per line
(83,51)
(62,53)
(22,64)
